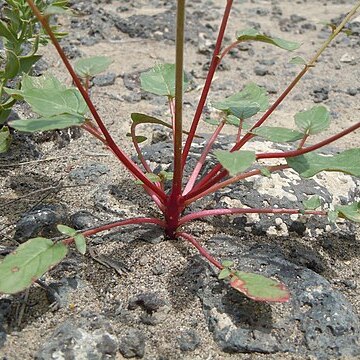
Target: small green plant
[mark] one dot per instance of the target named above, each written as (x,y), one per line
(60,107)
(21,37)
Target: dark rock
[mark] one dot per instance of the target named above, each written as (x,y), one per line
(159,135)
(70,341)
(150,302)
(267,62)
(104,80)
(158,269)
(58,292)
(5,305)
(41,221)
(320,94)
(276,11)
(262,11)
(298,227)
(2,336)
(159,26)
(261,70)
(189,340)
(132,344)
(297,18)
(40,67)
(154,308)
(308,26)
(83,220)
(72,51)
(318,319)
(88,172)
(353,91)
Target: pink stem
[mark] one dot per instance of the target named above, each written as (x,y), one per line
(303,140)
(137,148)
(309,148)
(238,136)
(133,221)
(201,250)
(211,178)
(218,186)
(213,66)
(217,212)
(202,159)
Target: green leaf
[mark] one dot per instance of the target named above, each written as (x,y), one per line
(47,123)
(212,121)
(350,212)
(6,33)
(52,102)
(4,114)
(92,66)
(151,176)
(26,62)
(313,121)
(309,164)
(166,175)
(5,139)
(298,60)
(277,134)
(66,230)
(45,82)
(12,66)
(224,273)
(227,263)
(160,80)
(244,110)
(312,203)
(265,171)
(28,263)
(235,162)
(332,216)
(80,243)
(245,103)
(138,138)
(254,35)
(235,121)
(259,287)
(139,118)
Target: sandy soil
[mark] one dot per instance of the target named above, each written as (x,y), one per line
(103,288)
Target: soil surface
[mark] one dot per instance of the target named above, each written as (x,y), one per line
(147,297)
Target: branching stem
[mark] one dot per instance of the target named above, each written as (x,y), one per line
(133,221)
(233,180)
(213,66)
(219,212)
(201,250)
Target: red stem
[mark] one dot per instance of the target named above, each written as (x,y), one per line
(201,250)
(217,212)
(128,163)
(213,66)
(309,148)
(202,159)
(211,178)
(133,221)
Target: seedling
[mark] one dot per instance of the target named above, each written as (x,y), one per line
(61,107)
